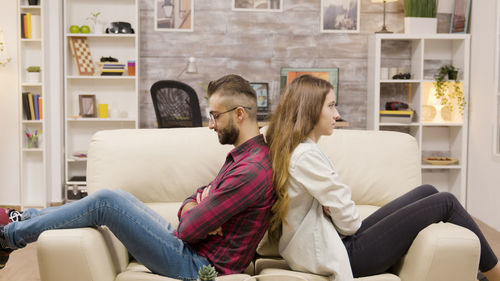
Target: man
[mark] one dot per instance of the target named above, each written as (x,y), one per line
(221,224)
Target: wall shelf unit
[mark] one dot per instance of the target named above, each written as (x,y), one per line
(439,131)
(33,156)
(119,93)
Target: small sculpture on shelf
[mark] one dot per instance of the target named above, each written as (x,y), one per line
(442,83)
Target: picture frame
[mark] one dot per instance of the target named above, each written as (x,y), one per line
(262,91)
(258,5)
(174,15)
(88,105)
(330,74)
(340,16)
(460,16)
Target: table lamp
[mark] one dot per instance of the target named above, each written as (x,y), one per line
(384,28)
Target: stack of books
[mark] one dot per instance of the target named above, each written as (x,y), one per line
(111,68)
(30,26)
(32,106)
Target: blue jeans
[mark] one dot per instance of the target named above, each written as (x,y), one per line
(145,234)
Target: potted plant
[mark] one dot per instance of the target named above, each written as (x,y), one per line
(98,26)
(33,74)
(420,16)
(207,273)
(449,93)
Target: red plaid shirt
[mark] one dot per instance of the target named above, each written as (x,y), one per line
(239,201)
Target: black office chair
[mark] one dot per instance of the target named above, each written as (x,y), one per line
(176,104)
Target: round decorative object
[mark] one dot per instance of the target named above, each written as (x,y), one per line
(428,113)
(74,29)
(446,113)
(84,29)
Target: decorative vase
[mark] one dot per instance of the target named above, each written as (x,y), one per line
(98,28)
(415,25)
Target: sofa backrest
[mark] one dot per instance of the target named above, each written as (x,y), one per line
(379,166)
(168,165)
(155,165)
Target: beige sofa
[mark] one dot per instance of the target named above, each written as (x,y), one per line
(163,167)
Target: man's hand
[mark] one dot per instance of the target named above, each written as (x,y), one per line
(204,194)
(218,231)
(188,206)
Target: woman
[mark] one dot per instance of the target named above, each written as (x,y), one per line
(309,191)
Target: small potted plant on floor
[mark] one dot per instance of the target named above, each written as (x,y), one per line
(446,94)
(420,16)
(207,273)
(33,74)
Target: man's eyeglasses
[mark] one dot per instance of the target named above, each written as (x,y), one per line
(214,116)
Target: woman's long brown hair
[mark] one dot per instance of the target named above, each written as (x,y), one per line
(297,113)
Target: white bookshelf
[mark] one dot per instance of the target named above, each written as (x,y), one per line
(33,160)
(422,56)
(496,94)
(120,93)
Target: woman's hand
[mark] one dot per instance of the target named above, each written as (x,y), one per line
(327,211)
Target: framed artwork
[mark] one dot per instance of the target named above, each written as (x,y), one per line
(88,106)
(258,5)
(460,16)
(329,74)
(173,15)
(340,16)
(262,90)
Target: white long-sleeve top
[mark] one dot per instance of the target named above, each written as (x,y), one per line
(311,240)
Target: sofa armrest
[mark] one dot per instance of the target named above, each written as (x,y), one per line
(80,255)
(441,252)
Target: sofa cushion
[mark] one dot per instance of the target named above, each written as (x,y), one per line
(313,277)
(136,271)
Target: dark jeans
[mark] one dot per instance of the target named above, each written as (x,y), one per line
(386,235)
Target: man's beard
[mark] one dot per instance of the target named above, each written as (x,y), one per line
(228,135)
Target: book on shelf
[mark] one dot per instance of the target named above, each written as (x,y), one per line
(32,106)
(35,106)
(36,27)
(26,106)
(23,34)
(40,102)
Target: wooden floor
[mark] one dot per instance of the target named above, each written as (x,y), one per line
(23,265)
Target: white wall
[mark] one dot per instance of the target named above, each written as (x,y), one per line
(484,168)
(9,109)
